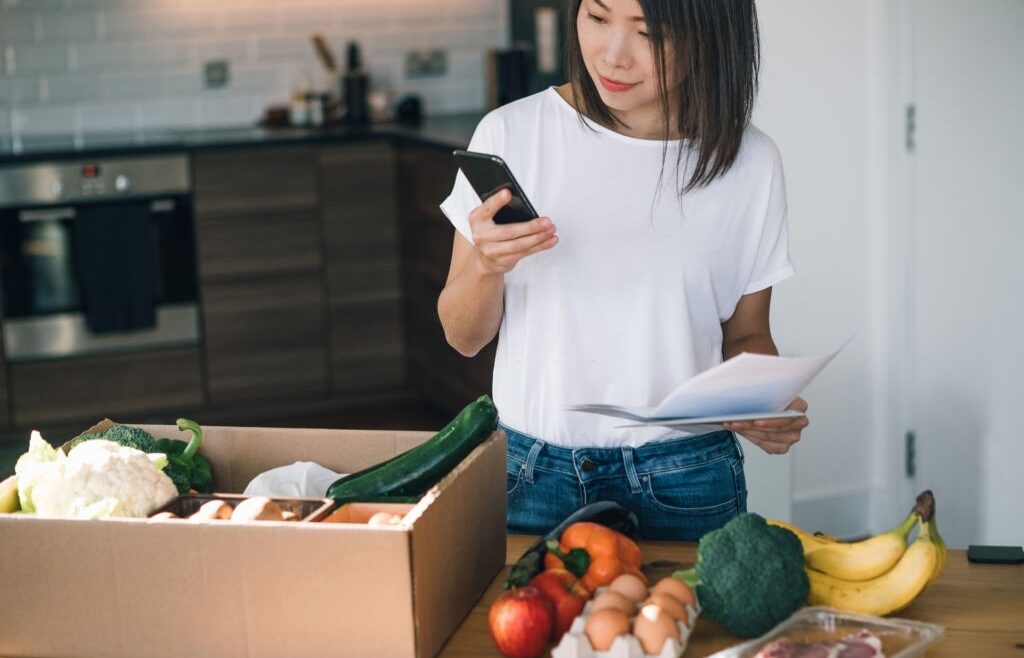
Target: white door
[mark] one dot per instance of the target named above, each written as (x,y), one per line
(967,325)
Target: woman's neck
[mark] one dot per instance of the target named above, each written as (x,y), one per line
(642,125)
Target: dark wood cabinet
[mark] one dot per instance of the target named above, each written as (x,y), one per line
(264,338)
(261,273)
(246,181)
(440,375)
(117,385)
(358,192)
(319,270)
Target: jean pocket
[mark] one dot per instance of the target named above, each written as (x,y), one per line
(513,481)
(707,488)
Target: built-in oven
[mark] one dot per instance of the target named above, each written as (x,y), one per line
(97,256)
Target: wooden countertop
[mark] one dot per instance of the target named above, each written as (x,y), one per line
(981,607)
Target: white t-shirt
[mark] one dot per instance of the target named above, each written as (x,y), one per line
(629,303)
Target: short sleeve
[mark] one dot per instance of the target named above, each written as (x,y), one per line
(463,199)
(771,258)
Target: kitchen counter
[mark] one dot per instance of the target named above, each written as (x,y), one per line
(451,131)
(980,605)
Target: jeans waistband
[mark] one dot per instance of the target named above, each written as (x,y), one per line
(535,453)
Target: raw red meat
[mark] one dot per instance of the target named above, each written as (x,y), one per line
(860,645)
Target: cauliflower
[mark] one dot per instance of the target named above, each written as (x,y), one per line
(97,479)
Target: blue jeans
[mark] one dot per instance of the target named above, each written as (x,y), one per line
(679,488)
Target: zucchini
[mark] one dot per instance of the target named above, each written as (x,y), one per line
(606,512)
(414,471)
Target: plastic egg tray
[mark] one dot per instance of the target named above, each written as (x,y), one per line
(575,644)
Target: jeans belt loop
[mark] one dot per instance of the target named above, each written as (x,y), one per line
(531,460)
(739,446)
(627,459)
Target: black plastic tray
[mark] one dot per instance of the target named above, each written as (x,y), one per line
(305,509)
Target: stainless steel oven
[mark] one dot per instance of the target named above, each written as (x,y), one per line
(97,256)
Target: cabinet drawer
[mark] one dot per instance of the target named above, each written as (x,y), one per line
(261,245)
(87,389)
(265,338)
(244,182)
(367,351)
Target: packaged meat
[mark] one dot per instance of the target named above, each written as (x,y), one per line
(864,644)
(821,632)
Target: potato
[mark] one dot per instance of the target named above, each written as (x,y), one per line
(258,508)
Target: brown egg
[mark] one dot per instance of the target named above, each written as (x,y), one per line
(614,600)
(629,586)
(384,519)
(653,626)
(604,626)
(677,588)
(669,604)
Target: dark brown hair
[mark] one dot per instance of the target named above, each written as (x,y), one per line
(717,48)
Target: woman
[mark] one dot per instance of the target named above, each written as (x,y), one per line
(671,218)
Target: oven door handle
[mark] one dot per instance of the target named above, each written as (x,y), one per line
(47,214)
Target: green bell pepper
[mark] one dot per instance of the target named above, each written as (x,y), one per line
(185,466)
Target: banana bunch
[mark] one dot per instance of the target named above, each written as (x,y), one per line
(879,575)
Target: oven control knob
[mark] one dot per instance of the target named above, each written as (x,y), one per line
(122,183)
(57,188)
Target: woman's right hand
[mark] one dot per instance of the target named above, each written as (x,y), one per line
(499,247)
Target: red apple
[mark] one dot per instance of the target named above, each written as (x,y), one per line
(520,621)
(567,595)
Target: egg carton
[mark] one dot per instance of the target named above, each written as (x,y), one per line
(575,644)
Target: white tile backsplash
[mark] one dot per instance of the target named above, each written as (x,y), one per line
(68,25)
(168,114)
(43,121)
(19,91)
(18,25)
(87,65)
(64,89)
(105,117)
(38,57)
(132,86)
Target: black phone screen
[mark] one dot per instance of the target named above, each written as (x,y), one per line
(488,175)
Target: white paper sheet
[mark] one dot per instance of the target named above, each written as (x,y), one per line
(746,387)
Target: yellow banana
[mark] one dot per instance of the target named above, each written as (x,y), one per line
(862,560)
(940,543)
(885,594)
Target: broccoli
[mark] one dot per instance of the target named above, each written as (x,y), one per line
(124,435)
(749,575)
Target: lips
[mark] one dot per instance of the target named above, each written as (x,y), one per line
(614,85)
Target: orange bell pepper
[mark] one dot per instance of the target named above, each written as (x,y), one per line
(596,554)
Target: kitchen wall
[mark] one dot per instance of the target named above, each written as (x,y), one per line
(822,101)
(912,251)
(78,66)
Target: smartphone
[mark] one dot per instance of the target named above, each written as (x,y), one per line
(488,174)
(995,554)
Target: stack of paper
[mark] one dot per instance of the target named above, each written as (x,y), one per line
(746,387)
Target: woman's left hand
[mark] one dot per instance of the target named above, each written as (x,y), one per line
(777,435)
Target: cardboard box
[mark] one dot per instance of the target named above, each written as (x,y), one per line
(140,587)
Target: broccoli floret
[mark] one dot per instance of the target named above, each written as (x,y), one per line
(124,435)
(180,479)
(749,575)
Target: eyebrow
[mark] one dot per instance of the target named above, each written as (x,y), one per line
(638,19)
